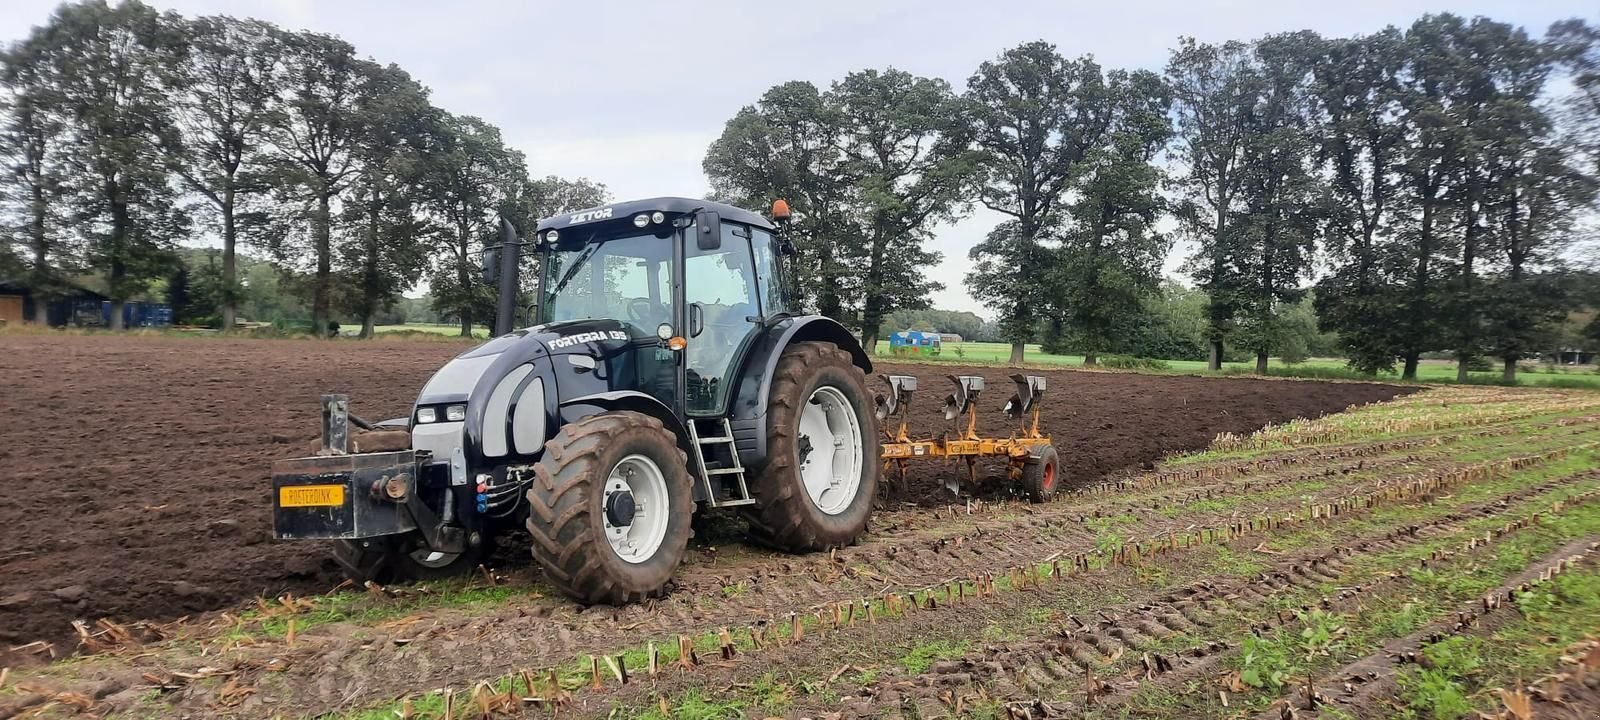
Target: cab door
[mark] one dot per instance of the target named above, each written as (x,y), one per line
(723,304)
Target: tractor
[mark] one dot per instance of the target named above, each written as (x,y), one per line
(664,368)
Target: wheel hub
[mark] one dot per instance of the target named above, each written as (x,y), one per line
(634,509)
(620,508)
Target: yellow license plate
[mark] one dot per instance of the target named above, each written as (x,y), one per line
(311,496)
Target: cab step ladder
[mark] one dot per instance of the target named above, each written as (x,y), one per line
(715,478)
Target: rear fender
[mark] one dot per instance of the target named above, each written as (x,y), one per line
(749,412)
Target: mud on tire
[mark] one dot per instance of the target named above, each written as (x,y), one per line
(784,515)
(565,514)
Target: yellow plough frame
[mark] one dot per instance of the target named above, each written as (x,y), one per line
(1032,456)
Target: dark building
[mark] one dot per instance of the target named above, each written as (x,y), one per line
(79,307)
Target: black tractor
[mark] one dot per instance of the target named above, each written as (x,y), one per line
(663,369)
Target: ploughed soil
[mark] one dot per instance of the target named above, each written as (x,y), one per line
(136,468)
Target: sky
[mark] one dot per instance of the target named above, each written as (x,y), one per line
(630,93)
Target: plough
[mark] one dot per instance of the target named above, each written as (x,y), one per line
(1032,457)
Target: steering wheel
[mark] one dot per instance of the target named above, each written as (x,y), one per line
(640,310)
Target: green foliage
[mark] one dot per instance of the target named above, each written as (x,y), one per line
(1265,662)
(922,657)
(1440,689)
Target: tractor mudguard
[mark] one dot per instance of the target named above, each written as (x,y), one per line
(749,411)
(574,409)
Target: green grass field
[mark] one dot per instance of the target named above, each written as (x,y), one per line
(437,329)
(1430,371)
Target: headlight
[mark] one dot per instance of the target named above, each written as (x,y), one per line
(641,220)
(657,217)
(426,415)
(551,237)
(455,413)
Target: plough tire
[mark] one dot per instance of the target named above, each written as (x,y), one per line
(1041,476)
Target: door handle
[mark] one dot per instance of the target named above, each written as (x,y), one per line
(697,320)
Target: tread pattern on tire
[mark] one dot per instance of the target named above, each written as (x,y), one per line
(779,518)
(559,511)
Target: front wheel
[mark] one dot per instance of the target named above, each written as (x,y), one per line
(609,508)
(816,490)
(399,558)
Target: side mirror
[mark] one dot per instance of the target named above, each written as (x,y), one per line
(708,230)
(491,265)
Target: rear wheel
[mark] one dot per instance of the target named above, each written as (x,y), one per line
(1041,475)
(816,490)
(609,508)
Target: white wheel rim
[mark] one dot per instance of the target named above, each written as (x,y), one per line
(433,558)
(831,468)
(636,540)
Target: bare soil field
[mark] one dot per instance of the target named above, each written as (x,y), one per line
(1429,554)
(136,467)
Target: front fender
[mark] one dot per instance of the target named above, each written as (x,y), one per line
(575,409)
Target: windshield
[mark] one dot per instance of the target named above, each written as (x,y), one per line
(624,278)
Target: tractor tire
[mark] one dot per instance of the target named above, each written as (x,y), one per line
(1041,476)
(403,558)
(786,515)
(572,494)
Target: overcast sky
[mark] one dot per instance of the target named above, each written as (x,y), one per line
(631,93)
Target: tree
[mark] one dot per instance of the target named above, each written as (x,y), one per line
(905,141)
(178,297)
(110,72)
(472,177)
(225,106)
(790,145)
(32,147)
(1036,116)
(1281,196)
(313,142)
(1214,89)
(1110,255)
(1538,198)
(1357,89)
(384,239)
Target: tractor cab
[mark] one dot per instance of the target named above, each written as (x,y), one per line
(696,283)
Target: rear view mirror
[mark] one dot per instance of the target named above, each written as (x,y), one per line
(491,265)
(708,230)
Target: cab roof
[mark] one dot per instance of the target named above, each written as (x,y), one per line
(672,207)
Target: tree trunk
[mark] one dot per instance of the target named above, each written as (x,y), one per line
(1509,374)
(1214,361)
(41,253)
(1412,359)
(1461,369)
(1090,359)
(230,237)
(464,276)
(322,287)
(869,337)
(1016,352)
(116,276)
(1261,362)
(368,324)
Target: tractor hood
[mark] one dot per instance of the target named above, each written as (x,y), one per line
(600,339)
(511,384)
